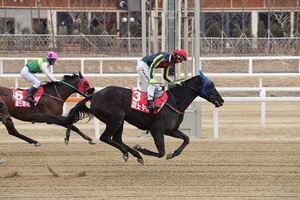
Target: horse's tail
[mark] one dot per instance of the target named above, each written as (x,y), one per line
(78,112)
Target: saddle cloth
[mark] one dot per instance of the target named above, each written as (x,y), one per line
(20,94)
(139,101)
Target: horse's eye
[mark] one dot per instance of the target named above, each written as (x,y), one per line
(211,85)
(86,84)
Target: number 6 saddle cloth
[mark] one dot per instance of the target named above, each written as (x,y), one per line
(20,94)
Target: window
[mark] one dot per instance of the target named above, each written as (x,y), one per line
(39,26)
(7,25)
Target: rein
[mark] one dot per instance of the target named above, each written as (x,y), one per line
(60,99)
(193,89)
(174,109)
(78,91)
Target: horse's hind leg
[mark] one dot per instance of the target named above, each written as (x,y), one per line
(74,128)
(12,131)
(117,137)
(110,130)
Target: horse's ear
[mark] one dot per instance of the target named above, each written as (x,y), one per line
(80,75)
(204,78)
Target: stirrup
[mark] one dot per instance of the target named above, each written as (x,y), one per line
(151,105)
(29,99)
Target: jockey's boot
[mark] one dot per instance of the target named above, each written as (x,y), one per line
(30,94)
(151,105)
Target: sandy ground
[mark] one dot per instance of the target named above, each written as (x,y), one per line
(248,161)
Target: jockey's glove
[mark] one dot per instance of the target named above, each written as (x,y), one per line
(151,81)
(57,81)
(176,83)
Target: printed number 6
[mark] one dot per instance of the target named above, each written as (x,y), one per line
(136,96)
(18,95)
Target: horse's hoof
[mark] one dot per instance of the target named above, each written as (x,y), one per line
(141,160)
(37,144)
(169,156)
(1,161)
(66,141)
(92,142)
(137,147)
(125,157)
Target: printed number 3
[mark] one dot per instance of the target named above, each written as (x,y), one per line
(136,96)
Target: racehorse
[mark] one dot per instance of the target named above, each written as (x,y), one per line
(112,105)
(51,102)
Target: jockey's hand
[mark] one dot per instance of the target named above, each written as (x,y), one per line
(176,83)
(57,81)
(151,82)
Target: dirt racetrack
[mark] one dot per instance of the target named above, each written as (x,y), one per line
(249,161)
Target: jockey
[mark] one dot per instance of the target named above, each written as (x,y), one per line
(37,66)
(147,64)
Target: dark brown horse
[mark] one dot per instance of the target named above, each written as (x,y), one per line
(112,106)
(51,102)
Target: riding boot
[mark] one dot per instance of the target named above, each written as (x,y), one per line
(151,105)
(30,94)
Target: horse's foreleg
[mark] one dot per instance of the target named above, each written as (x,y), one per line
(74,128)
(67,138)
(160,145)
(12,131)
(186,141)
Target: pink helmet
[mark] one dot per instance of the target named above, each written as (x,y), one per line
(51,55)
(180,52)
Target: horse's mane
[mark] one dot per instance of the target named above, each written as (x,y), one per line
(177,89)
(64,78)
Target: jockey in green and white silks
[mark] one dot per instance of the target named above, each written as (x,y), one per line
(38,66)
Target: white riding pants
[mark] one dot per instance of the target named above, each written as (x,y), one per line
(25,73)
(143,70)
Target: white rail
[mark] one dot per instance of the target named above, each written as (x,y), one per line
(262,99)
(102,59)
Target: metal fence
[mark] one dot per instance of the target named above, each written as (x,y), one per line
(132,46)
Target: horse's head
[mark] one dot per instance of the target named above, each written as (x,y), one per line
(84,86)
(209,91)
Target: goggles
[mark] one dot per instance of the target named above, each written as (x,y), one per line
(180,58)
(52,60)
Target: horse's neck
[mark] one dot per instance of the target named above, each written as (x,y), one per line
(186,99)
(183,100)
(60,91)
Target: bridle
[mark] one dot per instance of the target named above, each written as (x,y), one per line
(203,93)
(171,94)
(77,89)
(81,85)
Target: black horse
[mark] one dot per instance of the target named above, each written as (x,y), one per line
(51,102)
(112,105)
